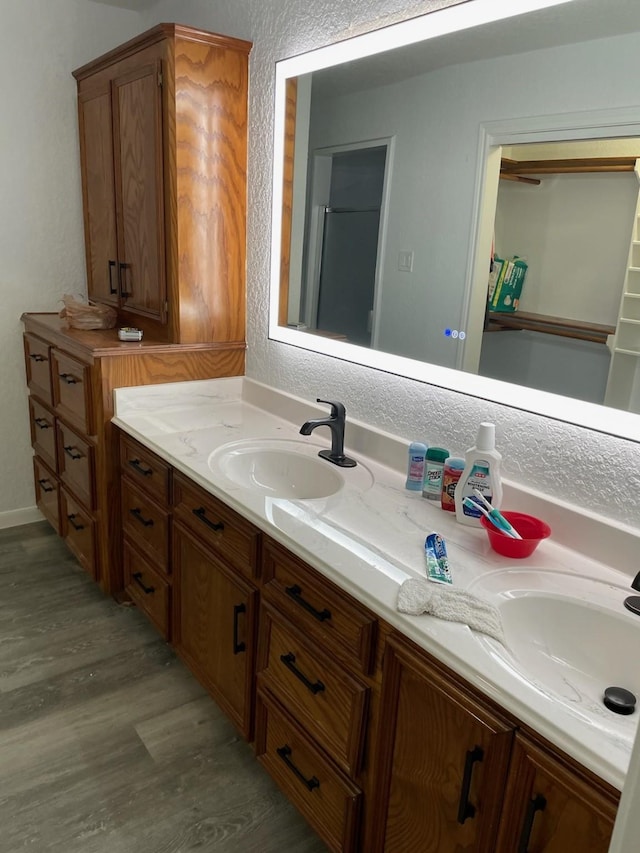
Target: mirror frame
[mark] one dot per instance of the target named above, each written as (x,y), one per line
(452,19)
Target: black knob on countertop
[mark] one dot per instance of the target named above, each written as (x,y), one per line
(619,700)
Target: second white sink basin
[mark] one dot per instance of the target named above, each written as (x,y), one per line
(568,635)
(283,469)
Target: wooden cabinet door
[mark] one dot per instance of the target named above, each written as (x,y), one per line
(550,807)
(443,761)
(137,134)
(214,617)
(96,157)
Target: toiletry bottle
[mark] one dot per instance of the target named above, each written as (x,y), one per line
(453,468)
(481,472)
(415,470)
(434,466)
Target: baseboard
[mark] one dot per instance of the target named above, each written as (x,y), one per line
(17,517)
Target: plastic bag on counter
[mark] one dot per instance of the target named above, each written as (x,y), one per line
(87,315)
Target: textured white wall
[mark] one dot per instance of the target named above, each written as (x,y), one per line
(569,462)
(41,242)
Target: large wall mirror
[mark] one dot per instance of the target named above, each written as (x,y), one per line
(414,163)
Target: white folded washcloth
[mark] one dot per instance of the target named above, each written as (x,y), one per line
(418,596)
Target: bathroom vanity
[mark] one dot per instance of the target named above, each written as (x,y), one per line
(388,732)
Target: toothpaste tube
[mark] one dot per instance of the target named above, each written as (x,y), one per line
(435,555)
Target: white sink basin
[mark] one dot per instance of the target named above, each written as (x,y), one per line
(283,469)
(570,636)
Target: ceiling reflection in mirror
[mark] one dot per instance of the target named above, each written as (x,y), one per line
(399,187)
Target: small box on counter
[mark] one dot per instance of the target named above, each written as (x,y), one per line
(506,288)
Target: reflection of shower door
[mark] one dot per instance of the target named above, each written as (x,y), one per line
(347,272)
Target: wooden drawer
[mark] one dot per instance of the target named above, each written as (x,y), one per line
(324,698)
(151,474)
(37,355)
(147,588)
(223,530)
(328,615)
(146,524)
(77,528)
(72,391)
(47,493)
(43,433)
(76,464)
(323,794)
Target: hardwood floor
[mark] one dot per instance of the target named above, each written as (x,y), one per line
(107,742)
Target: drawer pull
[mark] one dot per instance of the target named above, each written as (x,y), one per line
(72,522)
(285,752)
(465,808)
(45,488)
(137,514)
(289,661)
(296,593)
(69,450)
(111,265)
(137,576)
(201,513)
(537,804)
(238,646)
(42,424)
(135,463)
(69,378)
(36,356)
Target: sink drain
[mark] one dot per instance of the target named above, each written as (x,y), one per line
(619,700)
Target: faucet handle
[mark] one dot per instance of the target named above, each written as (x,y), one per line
(337,409)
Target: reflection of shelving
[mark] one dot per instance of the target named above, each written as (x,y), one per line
(515,170)
(577,329)
(623,384)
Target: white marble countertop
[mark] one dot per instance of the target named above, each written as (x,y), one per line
(369,537)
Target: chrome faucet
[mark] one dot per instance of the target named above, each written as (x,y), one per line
(336,423)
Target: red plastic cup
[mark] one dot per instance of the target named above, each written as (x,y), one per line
(533,530)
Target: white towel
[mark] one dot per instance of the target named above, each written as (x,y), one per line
(418,596)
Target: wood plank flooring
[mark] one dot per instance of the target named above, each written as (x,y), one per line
(107,742)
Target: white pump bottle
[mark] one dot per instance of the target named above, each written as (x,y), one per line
(481,472)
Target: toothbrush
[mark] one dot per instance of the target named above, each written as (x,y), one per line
(499,519)
(475,505)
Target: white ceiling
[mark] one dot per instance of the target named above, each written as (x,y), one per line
(132,5)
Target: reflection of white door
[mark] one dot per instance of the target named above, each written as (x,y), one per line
(344,247)
(623,383)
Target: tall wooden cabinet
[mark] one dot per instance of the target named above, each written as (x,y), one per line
(163,122)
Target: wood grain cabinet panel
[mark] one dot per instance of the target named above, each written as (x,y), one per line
(76,464)
(552,807)
(329,615)
(223,530)
(321,694)
(214,625)
(150,591)
(326,797)
(47,493)
(147,524)
(43,433)
(150,473)
(72,397)
(37,355)
(77,528)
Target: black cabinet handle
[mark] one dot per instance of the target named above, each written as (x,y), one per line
(296,593)
(289,661)
(537,804)
(111,267)
(137,576)
(201,513)
(465,808)
(238,646)
(69,378)
(40,422)
(36,356)
(124,294)
(43,487)
(69,450)
(72,522)
(285,754)
(135,463)
(137,514)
